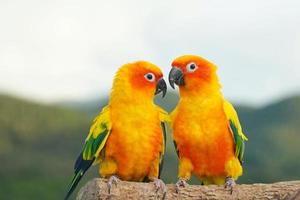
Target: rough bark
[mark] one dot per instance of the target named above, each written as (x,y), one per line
(97,189)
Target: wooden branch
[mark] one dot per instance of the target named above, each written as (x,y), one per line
(97,189)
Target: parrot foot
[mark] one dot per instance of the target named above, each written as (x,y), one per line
(180,183)
(160,185)
(229,183)
(112,180)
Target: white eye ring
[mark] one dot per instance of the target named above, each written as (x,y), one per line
(191,67)
(150,77)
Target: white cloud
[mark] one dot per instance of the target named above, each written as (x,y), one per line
(54,50)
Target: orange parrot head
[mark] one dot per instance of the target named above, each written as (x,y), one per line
(192,73)
(139,79)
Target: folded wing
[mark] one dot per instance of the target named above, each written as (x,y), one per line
(94,144)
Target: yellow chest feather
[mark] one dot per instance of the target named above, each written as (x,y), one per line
(135,141)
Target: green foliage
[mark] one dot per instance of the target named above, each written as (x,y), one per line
(40,143)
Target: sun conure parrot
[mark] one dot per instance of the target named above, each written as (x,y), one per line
(206,130)
(127,139)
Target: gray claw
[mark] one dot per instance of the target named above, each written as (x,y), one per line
(160,185)
(112,180)
(229,183)
(180,183)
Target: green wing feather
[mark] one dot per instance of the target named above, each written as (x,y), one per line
(176,149)
(236,130)
(94,144)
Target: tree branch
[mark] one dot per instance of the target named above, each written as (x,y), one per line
(97,189)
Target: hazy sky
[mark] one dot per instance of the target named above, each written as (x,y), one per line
(62,50)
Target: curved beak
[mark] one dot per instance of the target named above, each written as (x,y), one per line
(176,77)
(161,87)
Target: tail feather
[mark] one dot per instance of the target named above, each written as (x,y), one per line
(77,177)
(81,166)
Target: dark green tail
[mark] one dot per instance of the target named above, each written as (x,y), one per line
(77,177)
(81,166)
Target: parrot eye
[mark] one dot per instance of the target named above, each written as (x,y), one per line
(150,77)
(191,67)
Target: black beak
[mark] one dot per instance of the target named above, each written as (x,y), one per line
(161,87)
(176,77)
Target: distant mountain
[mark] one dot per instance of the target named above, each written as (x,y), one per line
(273,152)
(91,107)
(39,144)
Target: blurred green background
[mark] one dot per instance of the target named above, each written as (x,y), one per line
(40,142)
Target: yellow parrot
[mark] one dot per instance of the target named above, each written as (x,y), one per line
(127,139)
(206,130)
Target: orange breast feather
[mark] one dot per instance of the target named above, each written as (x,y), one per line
(202,135)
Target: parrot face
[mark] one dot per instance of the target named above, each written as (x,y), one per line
(191,72)
(147,78)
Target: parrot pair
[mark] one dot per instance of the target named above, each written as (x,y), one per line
(128,138)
